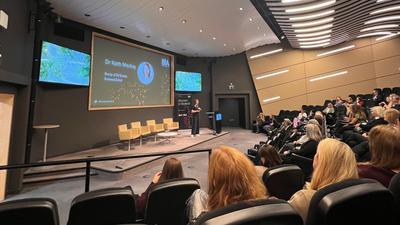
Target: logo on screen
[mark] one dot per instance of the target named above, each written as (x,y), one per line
(165,62)
(145,73)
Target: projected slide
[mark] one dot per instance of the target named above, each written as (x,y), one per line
(63,65)
(125,75)
(187,81)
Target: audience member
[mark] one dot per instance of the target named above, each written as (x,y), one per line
(392,116)
(329,109)
(377,96)
(376,119)
(260,122)
(269,157)
(339,101)
(302,115)
(309,148)
(360,101)
(172,169)
(232,178)
(393,101)
(384,145)
(334,162)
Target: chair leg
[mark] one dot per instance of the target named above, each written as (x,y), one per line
(140,141)
(155,137)
(129,145)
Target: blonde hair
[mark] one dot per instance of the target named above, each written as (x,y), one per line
(392,116)
(378,111)
(334,162)
(384,144)
(313,132)
(232,178)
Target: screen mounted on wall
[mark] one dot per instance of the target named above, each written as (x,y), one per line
(63,65)
(187,81)
(125,75)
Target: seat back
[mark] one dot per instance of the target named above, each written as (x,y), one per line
(166,202)
(29,211)
(151,122)
(136,124)
(283,181)
(168,120)
(103,207)
(265,212)
(306,164)
(354,201)
(122,127)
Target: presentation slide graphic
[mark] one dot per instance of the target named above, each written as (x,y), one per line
(63,65)
(187,81)
(128,76)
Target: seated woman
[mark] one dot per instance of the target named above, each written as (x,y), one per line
(172,169)
(329,109)
(384,145)
(356,116)
(309,148)
(302,115)
(260,122)
(232,178)
(334,162)
(392,116)
(269,157)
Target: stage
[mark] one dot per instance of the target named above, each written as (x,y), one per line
(179,143)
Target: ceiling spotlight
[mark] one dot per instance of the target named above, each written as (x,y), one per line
(87,15)
(224,44)
(161,8)
(305,30)
(310,7)
(314,42)
(241,9)
(396,7)
(266,53)
(184,21)
(337,50)
(387,36)
(313,23)
(251,19)
(214,38)
(314,38)
(314,34)
(314,46)
(201,31)
(387,18)
(380,27)
(374,34)
(312,16)
(264,34)
(258,28)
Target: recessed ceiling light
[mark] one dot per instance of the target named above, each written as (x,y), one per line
(314,46)
(387,18)
(258,28)
(224,44)
(314,34)
(122,27)
(310,7)
(282,37)
(266,53)
(265,35)
(87,15)
(271,99)
(380,27)
(251,19)
(314,38)
(387,36)
(329,76)
(337,50)
(214,38)
(388,9)
(305,30)
(241,9)
(161,8)
(312,16)
(314,42)
(313,23)
(184,21)
(374,34)
(271,74)
(201,30)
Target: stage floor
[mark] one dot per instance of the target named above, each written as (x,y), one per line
(179,143)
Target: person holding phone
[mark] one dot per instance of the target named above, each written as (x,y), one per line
(195,118)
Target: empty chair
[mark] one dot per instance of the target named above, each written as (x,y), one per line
(166,202)
(265,211)
(306,164)
(126,134)
(103,207)
(396,90)
(155,127)
(283,181)
(30,211)
(144,130)
(354,201)
(169,124)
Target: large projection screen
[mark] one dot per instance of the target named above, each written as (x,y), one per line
(124,75)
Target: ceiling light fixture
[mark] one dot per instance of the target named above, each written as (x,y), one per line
(272,74)
(336,50)
(312,16)
(122,27)
(323,27)
(161,8)
(396,7)
(387,36)
(251,19)
(374,34)
(378,1)
(314,34)
(313,23)
(266,53)
(329,76)
(201,30)
(314,46)
(224,44)
(310,7)
(314,42)
(387,18)
(271,99)
(241,9)
(214,38)
(87,15)
(184,21)
(380,27)
(314,38)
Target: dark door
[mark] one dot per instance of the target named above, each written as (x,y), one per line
(232,110)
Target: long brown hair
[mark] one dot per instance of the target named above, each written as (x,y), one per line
(384,144)
(270,156)
(334,162)
(232,178)
(172,169)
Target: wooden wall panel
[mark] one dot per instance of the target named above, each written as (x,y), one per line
(388,81)
(287,90)
(296,72)
(386,49)
(387,66)
(276,61)
(275,107)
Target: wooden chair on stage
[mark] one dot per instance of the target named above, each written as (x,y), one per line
(155,128)
(144,130)
(169,124)
(126,134)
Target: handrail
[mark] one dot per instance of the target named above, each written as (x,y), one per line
(89,160)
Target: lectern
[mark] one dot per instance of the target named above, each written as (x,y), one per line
(215,119)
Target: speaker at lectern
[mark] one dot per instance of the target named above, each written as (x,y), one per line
(215,119)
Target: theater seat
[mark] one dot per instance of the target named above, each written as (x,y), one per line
(354,201)
(103,207)
(155,127)
(167,201)
(30,211)
(169,124)
(265,212)
(394,187)
(283,181)
(144,130)
(306,164)
(126,134)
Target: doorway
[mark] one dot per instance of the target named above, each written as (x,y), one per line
(233,112)
(6,110)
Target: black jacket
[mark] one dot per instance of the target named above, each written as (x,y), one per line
(378,99)
(308,149)
(372,123)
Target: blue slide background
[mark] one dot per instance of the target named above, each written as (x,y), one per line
(187,81)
